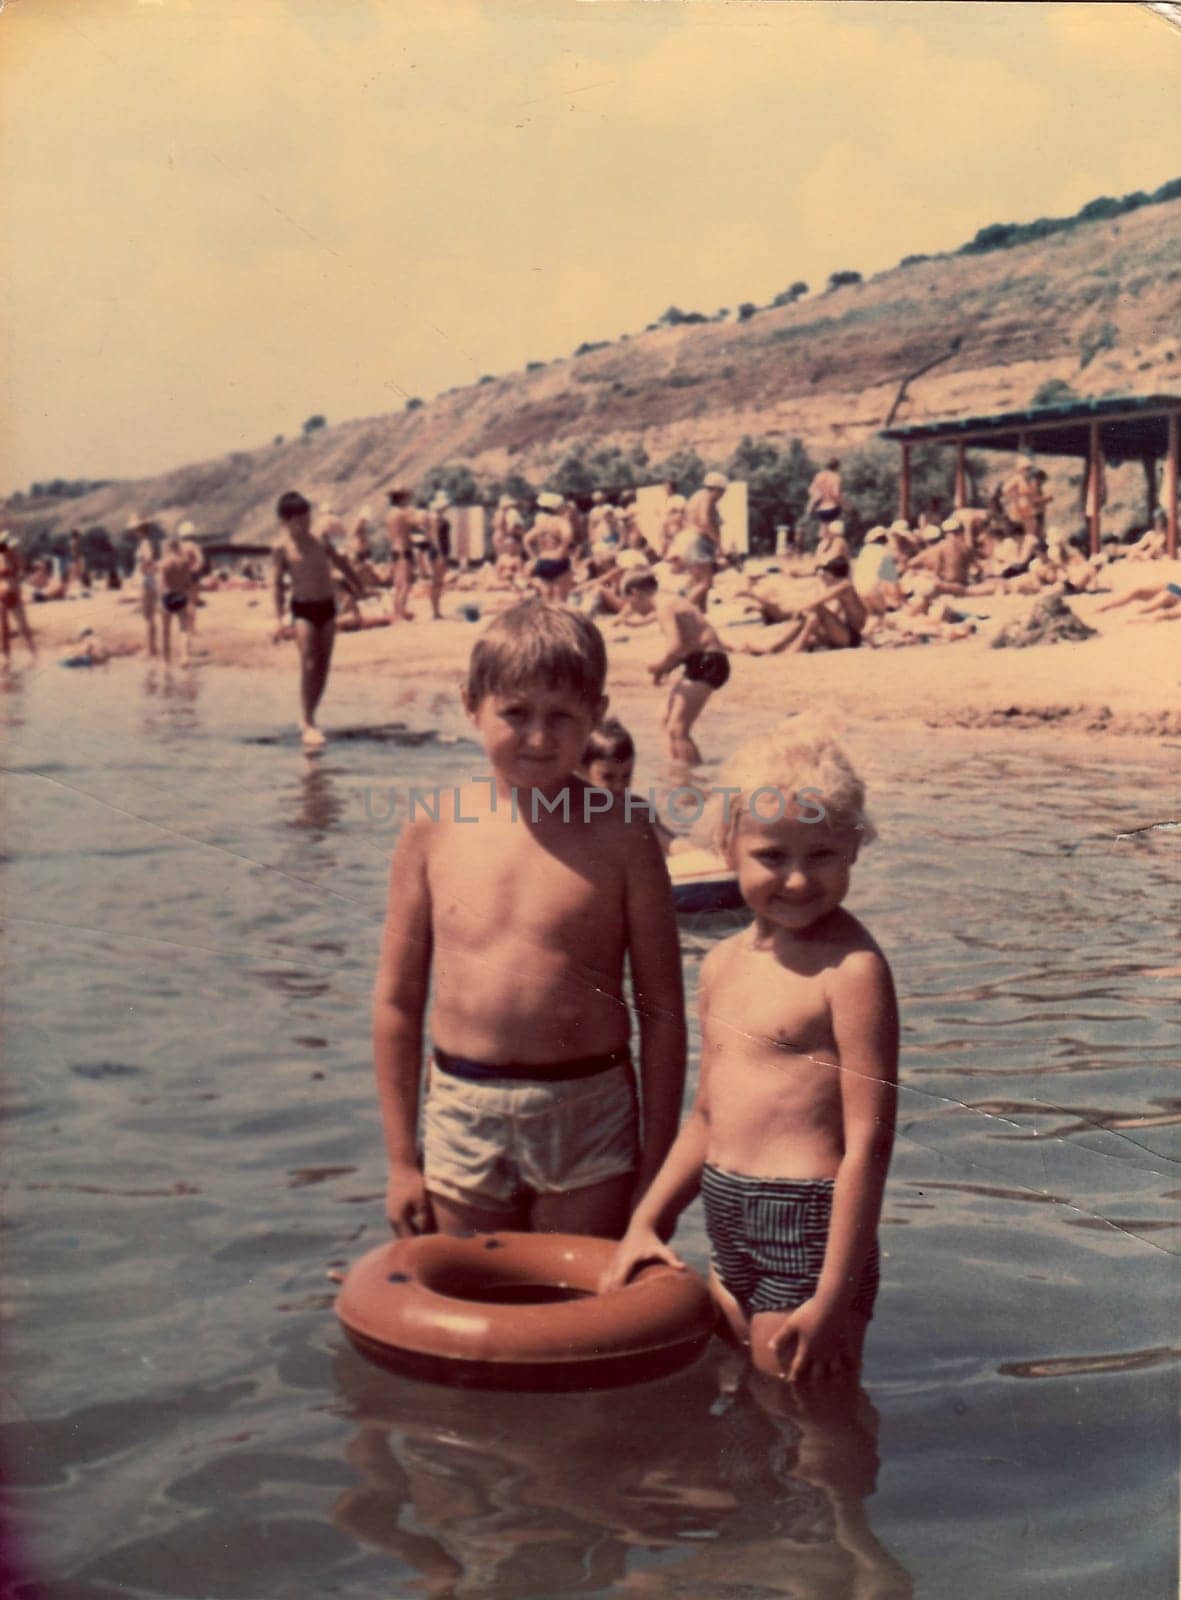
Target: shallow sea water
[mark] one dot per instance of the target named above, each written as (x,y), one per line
(192,1144)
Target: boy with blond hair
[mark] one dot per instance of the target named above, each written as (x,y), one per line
(516,901)
(790,1135)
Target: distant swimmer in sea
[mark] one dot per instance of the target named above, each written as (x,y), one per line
(693,644)
(790,1136)
(301,559)
(12,605)
(178,586)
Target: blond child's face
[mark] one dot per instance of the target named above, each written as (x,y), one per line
(611,772)
(535,737)
(791,873)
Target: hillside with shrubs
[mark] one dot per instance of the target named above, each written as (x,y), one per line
(1022,314)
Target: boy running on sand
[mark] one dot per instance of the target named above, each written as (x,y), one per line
(693,644)
(305,561)
(518,924)
(790,1135)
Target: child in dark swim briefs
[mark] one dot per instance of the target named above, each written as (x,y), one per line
(693,644)
(790,1135)
(517,910)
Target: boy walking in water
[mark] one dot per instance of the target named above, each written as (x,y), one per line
(306,562)
(693,644)
(790,1135)
(517,911)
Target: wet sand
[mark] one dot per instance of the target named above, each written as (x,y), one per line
(1124,681)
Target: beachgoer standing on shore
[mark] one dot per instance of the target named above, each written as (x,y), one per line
(550,541)
(790,1137)
(12,605)
(700,549)
(824,495)
(195,557)
(693,644)
(400,524)
(147,565)
(438,549)
(302,560)
(530,1117)
(178,585)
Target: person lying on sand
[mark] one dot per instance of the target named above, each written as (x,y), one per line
(1158,601)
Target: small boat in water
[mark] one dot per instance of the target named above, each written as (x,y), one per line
(702,881)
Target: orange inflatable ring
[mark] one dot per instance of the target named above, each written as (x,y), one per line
(521,1311)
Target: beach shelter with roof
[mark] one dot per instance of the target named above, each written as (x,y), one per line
(1113,430)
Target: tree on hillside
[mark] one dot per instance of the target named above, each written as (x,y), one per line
(1054,392)
(747,310)
(685,468)
(314,424)
(455,480)
(870,481)
(515,484)
(571,477)
(839,280)
(414,403)
(776,484)
(788,297)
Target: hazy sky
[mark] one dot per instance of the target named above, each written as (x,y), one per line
(220,216)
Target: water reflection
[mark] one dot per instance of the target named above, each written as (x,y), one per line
(169,711)
(711,1482)
(316,804)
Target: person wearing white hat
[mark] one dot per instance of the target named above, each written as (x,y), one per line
(700,547)
(550,541)
(867,569)
(195,557)
(833,545)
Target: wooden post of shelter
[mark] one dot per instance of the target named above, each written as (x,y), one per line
(961,477)
(904,485)
(1094,485)
(1169,485)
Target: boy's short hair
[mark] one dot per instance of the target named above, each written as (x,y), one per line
(610,741)
(291,504)
(801,755)
(641,579)
(536,642)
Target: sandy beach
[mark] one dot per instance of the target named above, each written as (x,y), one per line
(1123,681)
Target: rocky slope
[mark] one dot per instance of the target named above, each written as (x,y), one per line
(1098,306)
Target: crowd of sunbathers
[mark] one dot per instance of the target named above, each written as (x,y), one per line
(904,583)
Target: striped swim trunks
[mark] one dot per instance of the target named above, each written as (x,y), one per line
(769,1236)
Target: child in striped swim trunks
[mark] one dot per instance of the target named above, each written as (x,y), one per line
(790,1135)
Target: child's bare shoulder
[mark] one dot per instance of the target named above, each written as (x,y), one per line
(855,955)
(724,957)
